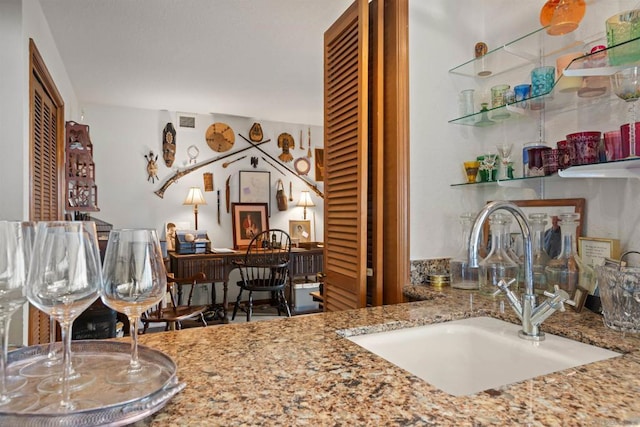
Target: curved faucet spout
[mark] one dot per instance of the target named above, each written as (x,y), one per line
(525,312)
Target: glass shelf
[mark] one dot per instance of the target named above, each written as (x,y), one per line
(529,181)
(510,56)
(524,51)
(624,168)
(553,101)
(580,67)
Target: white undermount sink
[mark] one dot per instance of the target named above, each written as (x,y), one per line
(466,356)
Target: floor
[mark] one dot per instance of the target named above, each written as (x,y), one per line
(260,313)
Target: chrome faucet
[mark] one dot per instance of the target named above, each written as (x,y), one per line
(529,314)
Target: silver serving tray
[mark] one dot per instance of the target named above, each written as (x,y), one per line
(116,405)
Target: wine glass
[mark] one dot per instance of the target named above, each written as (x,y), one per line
(64,279)
(626,85)
(15,253)
(488,164)
(134,280)
(504,151)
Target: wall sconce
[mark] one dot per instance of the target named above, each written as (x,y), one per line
(305,201)
(195,198)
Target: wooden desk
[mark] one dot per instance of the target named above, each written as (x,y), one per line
(218,267)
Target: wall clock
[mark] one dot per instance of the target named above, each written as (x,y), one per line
(220,137)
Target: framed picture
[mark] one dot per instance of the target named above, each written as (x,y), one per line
(255,187)
(579,297)
(300,230)
(319,164)
(170,229)
(248,219)
(593,250)
(186,121)
(553,208)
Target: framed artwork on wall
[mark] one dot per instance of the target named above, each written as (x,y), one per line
(255,187)
(248,219)
(319,164)
(300,231)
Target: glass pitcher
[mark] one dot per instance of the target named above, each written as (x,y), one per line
(567,270)
(498,265)
(462,275)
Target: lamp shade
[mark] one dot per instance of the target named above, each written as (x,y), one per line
(305,199)
(195,197)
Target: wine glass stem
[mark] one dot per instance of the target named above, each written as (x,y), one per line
(51,355)
(134,364)
(65,329)
(4,329)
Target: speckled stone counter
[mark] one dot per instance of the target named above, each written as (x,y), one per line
(299,371)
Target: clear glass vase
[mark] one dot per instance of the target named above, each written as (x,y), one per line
(567,270)
(540,257)
(462,275)
(498,265)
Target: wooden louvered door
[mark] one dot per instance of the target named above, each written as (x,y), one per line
(366,156)
(346,133)
(46,163)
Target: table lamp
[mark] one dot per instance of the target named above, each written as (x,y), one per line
(195,198)
(305,201)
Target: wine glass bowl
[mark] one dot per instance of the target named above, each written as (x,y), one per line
(504,151)
(626,85)
(134,280)
(16,244)
(64,279)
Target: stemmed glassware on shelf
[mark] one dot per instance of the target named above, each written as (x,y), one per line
(134,280)
(64,280)
(16,244)
(626,85)
(488,164)
(504,151)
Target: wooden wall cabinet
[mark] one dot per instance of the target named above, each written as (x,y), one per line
(81,190)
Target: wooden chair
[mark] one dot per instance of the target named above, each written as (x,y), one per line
(265,267)
(177,313)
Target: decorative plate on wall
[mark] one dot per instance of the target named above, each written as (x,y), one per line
(302,165)
(220,137)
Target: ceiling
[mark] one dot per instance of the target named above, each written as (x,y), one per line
(254,58)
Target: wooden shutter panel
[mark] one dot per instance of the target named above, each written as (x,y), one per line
(346,54)
(46,163)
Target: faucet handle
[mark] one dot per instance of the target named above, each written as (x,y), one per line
(557,293)
(559,298)
(503,286)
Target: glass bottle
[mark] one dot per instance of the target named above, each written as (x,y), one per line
(462,275)
(498,265)
(567,270)
(540,257)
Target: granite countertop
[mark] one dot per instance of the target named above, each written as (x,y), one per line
(299,371)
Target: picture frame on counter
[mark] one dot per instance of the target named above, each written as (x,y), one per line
(249,219)
(300,230)
(170,230)
(594,250)
(579,297)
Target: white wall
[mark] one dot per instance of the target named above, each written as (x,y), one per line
(21,20)
(121,138)
(442,38)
